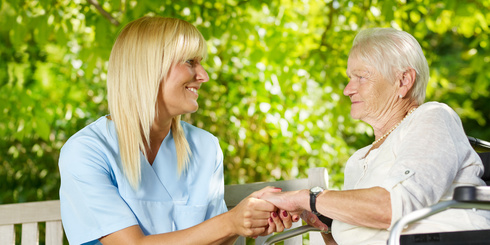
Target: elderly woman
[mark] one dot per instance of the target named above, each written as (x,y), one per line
(420,153)
(141,175)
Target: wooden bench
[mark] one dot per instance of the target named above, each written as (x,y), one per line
(29,215)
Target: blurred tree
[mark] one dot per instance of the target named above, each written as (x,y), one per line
(277,73)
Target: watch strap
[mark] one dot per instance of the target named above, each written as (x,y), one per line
(313,203)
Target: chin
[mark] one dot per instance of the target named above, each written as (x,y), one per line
(354,115)
(192,109)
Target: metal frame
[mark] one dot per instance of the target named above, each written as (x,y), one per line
(290,233)
(465,197)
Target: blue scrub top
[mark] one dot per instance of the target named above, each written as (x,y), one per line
(97,200)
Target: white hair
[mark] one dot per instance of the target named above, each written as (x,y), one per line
(391,52)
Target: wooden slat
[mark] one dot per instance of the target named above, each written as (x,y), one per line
(317,177)
(30,234)
(29,212)
(7,234)
(54,233)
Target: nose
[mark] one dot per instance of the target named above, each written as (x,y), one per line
(349,88)
(201,74)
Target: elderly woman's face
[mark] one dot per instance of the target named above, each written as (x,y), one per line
(370,93)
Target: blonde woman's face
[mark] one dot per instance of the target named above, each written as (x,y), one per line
(181,89)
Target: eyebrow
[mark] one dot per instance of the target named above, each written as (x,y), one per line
(360,72)
(356,71)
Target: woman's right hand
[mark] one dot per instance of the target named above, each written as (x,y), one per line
(280,220)
(254,217)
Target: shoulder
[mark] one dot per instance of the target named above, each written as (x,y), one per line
(437,109)
(194,133)
(436,112)
(91,135)
(203,144)
(91,144)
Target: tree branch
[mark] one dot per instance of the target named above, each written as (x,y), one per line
(103,12)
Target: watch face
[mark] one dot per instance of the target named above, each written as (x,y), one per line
(316,189)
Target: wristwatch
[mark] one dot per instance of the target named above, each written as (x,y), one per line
(314,192)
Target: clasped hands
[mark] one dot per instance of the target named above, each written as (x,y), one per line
(270,210)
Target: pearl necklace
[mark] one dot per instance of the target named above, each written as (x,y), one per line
(391,130)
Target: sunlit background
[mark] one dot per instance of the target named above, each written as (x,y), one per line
(277,72)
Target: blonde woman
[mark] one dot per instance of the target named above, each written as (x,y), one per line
(142,176)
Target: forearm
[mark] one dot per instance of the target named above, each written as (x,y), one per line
(216,230)
(364,207)
(249,218)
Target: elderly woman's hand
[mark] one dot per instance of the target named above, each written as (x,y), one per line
(292,201)
(313,220)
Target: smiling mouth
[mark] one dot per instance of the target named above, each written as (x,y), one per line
(193,90)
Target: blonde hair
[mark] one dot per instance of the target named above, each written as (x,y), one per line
(139,63)
(391,52)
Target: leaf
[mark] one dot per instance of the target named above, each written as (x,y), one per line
(41,33)
(42,128)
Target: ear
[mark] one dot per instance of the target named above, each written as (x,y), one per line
(406,82)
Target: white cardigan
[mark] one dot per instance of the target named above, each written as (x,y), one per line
(420,163)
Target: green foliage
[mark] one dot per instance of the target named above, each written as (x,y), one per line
(277,72)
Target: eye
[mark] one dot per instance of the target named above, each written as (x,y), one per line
(362,78)
(190,62)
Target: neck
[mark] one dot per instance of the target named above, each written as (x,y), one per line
(392,122)
(158,131)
